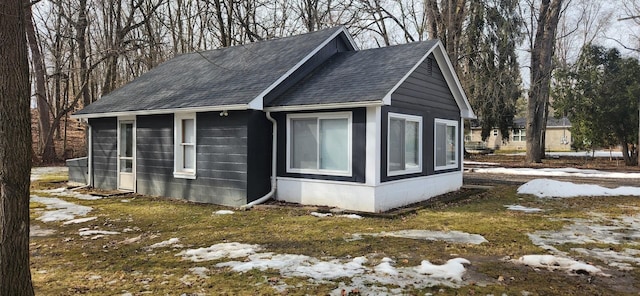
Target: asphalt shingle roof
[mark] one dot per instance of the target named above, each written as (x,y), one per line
(356,76)
(228,76)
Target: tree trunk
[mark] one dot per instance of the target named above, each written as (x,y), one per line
(81,29)
(541,68)
(15,152)
(46,149)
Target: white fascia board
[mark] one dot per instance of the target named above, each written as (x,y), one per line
(442,58)
(324,106)
(163,111)
(259,100)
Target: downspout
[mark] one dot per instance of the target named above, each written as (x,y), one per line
(273,166)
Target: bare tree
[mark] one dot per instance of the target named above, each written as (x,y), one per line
(15,152)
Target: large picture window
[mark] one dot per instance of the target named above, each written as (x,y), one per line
(319,143)
(185,146)
(404,142)
(446,144)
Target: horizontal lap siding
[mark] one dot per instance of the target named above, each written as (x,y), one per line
(424,93)
(104,137)
(221,160)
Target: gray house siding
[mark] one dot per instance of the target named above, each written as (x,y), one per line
(221,161)
(424,93)
(259,153)
(336,45)
(104,135)
(358,152)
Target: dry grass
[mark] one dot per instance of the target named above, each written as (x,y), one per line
(67,264)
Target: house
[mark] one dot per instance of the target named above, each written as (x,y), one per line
(557,136)
(307,119)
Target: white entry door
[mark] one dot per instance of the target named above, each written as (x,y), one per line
(126,155)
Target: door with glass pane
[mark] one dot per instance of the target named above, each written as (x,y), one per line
(126,155)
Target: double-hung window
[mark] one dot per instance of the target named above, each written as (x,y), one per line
(446,144)
(404,144)
(319,143)
(519,135)
(185,146)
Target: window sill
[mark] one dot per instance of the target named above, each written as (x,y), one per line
(446,167)
(319,172)
(404,172)
(184,175)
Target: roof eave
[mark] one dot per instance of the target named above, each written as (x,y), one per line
(325,106)
(164,111)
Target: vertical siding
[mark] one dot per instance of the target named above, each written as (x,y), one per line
(104,137)
(424,93)
(221,158)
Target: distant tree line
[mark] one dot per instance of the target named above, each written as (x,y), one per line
(81,50)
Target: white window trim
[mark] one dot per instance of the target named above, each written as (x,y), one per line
(435,143)
(519,135)
(178,172)
(412,118)
(325,115)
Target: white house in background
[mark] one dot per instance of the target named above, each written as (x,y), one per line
(558,136)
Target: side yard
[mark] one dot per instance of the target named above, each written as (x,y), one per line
(474,242)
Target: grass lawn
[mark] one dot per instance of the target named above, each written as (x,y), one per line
(63,262)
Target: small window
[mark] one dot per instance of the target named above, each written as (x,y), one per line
(319,143)
(446,144)
(185,146)
(404,144)
(519,135)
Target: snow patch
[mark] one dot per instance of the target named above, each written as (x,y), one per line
(320,215)
(558,172)
(599,229)
(523,209)
(552,188)
(360,275)
(163,244)
(36,230)
(96,232)
(66,192)
(223,212)
(620,260)
(448,236)
(200,271)
(79,220)
(219,251)
(60,210)
(552,262)
(351,216)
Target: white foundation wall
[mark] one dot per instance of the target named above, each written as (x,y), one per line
(344,195)
(404,192)
(363,197)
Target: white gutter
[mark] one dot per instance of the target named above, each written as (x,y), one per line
(274,151)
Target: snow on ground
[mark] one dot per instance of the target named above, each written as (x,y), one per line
(59,210)
(469,162)
(36,230)
(320,215)
(172,242)
(448,236)
(200,271)
(621,260)
(70,193)
(558,172)
(348,216)
(363,276)
(223,212)
(552,262)
(552,188)
(89,232)
(79,220)
(38,172)
(219,251)
(523,209)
